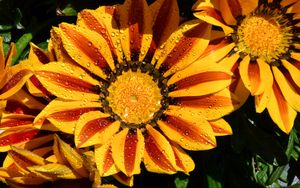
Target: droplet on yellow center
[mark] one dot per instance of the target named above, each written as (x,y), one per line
(134,97)
(261,36)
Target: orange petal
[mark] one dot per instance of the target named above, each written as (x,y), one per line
(68,81)
(230,9)
(255,75)
(102,20)
(72,156)
(15,78)
(56,49)
(220,127)
(2,56)
(25,102)
(199,79)
(158,155)
(24,158)
(183,47)
(94,128)
(183,161)
(166,20)
(289,83)
(104,160)
(211,106)
(206,12)
(53,171)
(39,141)
(127,151)
(87,48)
(122,178)
(236,87)
(216,50)
(15,120)
(16,136)
(136,29)
(64,114)
(191,131)
(280,111)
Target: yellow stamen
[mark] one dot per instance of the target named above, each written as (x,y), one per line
(135,97)
(264,34)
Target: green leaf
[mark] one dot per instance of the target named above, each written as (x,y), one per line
(6,36)
(181,181)
(69,10)
(213,182)
(21,44)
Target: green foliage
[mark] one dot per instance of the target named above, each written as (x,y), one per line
(257,155)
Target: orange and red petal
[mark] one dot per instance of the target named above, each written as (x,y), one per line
(127,151)
(88,48)
(166,20)
(220,127)
(17,136)
(102,21)
(188,129)
(94,128)
(183,47)
(199,79)
(15,78)
(64,114)
(158,155)
(25,158)
(104,160)
(279,109)
(289,82)
(15,120)
(216,50)
(68,81)
(183,161)
(206,12)
(211,106)
(257,76)
(136,29)
(122,178)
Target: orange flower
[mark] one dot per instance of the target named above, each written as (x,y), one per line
(127,81)
(261,47)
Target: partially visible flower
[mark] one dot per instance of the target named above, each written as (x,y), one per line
(261,47)
(45,159)
(127,81)
(19,107)
(12,77)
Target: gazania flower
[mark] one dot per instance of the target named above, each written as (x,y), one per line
(262,47)
(127,81)
(45,159)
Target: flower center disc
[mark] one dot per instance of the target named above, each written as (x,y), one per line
(134,97)
(264,34)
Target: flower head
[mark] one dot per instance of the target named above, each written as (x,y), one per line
(127,81)
(260,46)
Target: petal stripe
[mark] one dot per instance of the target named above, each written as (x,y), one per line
(156,154)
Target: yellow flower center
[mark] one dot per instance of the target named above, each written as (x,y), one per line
(134,97)
(264,34)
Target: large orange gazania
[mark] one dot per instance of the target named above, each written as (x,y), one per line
(262,47)
(127,81)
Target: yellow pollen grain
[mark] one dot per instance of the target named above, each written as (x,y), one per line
(261,35)
(134,97)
